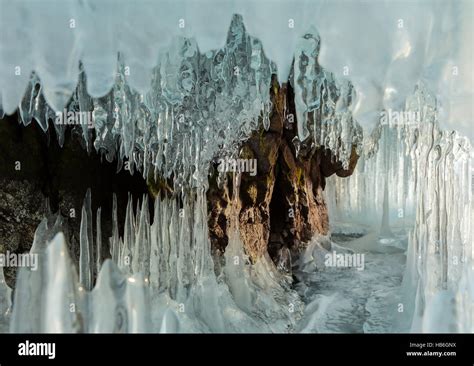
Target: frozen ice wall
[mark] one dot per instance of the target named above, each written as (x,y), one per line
(414,174)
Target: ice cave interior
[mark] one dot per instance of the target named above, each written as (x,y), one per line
(171,86)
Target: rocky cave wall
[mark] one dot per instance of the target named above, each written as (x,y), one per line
(282,206)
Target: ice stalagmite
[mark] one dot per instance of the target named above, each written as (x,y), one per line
(63,300)
(48,299)
(108,303)
(163,279)
(86,254)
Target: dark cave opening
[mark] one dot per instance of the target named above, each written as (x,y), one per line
(35,168)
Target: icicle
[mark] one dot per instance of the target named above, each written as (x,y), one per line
(323,104)
(98,240)
(170,323)
(424,173)
(114,242)
(141,254)
(86,256)
(61,305)
(109,311)
(385,227)
(184,256)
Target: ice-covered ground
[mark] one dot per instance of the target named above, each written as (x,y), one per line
(364,299)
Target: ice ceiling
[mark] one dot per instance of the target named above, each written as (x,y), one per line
(384,48)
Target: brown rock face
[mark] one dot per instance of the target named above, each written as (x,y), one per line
(282,206)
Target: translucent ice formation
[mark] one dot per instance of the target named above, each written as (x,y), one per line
(199,106)
(160,277)
(415,175)
(383,47)
(168,92)
(323,104)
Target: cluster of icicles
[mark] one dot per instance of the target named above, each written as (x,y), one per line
(159,277)
(415,175)
(201,107)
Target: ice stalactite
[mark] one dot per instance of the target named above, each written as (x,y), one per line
(51,39)
(442,236)
(200,106)
(384,162)
(162,277)
(428,172)
(323,104)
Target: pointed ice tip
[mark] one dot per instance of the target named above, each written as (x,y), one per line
(57,99)
(236,23)
(58,244)
(169,324)
(108,270)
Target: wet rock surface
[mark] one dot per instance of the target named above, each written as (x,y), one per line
(281,207)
